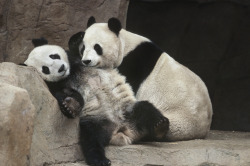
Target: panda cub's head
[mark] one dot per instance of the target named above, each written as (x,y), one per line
(100,45)
(51,61)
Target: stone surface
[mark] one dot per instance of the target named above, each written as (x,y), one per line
(16,125)
(16,119)
(219,148)
(56,20)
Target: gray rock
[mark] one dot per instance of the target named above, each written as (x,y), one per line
(16,121)
(55,137)
(20,21)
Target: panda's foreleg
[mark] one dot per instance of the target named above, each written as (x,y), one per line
(93,139)
(70,101)
(146,117)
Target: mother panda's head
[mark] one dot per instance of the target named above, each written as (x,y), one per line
(51,61)
(100,46)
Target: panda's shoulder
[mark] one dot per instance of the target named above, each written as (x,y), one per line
(140,62)
(145,53)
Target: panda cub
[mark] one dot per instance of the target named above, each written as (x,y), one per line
(110,113)
(176,91)
(54,66)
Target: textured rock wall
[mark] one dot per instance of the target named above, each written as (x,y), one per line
(56,20)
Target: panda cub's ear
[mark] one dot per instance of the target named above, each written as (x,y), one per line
(91,21)
(114,25)
(39,42)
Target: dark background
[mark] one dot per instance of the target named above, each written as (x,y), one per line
(210,37)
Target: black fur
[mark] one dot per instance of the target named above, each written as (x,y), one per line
(98,49)
(61,68)
(45,70)
(54,56)
(39,42)
(22,64)
(62,94)
(91,21)
(74,43)
(114,25)
(94,136)
(139,63)
(148,118)
(82,49)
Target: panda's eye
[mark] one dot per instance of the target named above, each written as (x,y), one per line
(55,56)
(45,70)
(82,50)
(98,49)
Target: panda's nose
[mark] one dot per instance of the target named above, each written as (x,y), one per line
(61,68)
(86,62)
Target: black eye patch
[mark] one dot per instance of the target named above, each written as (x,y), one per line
(82,50)
(98,49)
(45,70)
(55,56)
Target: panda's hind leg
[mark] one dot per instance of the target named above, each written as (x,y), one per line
(147,117)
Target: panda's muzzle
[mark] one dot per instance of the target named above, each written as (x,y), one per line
(62,68)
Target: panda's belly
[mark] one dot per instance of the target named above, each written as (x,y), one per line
(106,94)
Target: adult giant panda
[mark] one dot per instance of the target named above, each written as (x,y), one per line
(155,76)
(111,114)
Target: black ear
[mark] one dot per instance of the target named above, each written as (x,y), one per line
(75,41)
(39,42)
(91,21)
(114,25)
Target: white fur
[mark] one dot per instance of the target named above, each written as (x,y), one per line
(175,90)
(39,57)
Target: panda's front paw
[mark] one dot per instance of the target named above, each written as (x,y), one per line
(161,128)
(70,107)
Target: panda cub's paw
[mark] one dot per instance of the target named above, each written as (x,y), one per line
(161,128)
(71,107)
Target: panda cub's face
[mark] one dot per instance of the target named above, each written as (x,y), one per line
(51,62)
(100,47)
